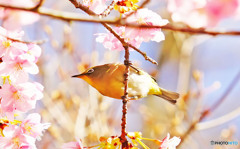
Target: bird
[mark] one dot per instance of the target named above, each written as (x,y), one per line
(108,79)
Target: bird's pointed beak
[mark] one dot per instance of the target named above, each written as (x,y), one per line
(79,75)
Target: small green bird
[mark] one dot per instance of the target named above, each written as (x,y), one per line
(108,80)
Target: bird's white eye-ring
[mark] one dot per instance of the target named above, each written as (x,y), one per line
(90,71)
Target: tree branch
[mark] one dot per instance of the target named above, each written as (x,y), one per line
(67,16)
(107,11)
(127,63)
(26,42)
(40,3)
(219,121)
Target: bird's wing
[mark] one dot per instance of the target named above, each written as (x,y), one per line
(154,79)
(139,71)
(136,70)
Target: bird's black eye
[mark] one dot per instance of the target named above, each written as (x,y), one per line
(90,71)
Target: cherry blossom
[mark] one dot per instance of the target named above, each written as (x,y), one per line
(15,139)
(73,145)
(19,66)
(135,36)
(15,49)
(112,43)
(10,49)
(207,12)
(19,60)
(147,17)
(35,51)
(21,97)
(98,6)
(170,143)
(6,44)
(12,34)
(32,125)
(216,10)
(19,18)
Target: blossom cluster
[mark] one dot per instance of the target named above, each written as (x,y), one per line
(18,94)
(14,19)
(114,142)
(133,36)
(203,13)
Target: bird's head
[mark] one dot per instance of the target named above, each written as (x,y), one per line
(88,75)
(93,74)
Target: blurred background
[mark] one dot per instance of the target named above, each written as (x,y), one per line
(199,67)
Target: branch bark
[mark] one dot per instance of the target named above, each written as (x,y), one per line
(127,63)
(67,16)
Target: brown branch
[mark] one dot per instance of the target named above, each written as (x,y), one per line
(83,8)
(206,112)
(127,63)
(40,3)
(60,15)
(144,4)
(26,42)
(144,55)
(198,30)
(107,11)
(67,16)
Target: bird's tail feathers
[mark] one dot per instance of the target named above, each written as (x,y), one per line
(169,96)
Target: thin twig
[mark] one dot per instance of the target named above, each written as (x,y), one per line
(83,8)
(67,16)
(39,42)
(144,55)
(219,121)
(107,11)
(206,112)
(40,3)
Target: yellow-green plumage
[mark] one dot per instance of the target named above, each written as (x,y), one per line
(108,80)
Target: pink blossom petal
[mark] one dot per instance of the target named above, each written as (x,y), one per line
(15,139)
(20,97)
(19,18)
(32,125)
(170,143)
(98,6)
(73,145)
(35,51)
(205,13)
